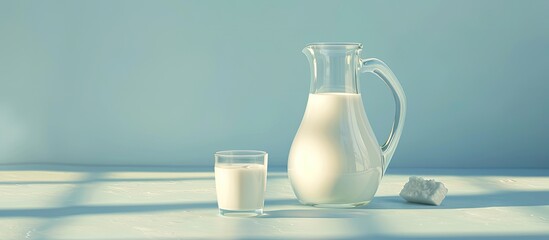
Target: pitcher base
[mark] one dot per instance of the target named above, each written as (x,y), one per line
(339,205)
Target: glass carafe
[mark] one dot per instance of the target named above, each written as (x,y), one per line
(335,159)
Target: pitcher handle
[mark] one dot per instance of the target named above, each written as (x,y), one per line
(379,68)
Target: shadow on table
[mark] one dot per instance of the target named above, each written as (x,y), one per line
(466,237)
(99,209)
(115,180)
(101,168)
(383,237)
(114,209)
(276,171)
(462,172)
(121,180)
(496,199)
(313,213)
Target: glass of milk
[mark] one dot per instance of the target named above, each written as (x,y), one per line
(240,181)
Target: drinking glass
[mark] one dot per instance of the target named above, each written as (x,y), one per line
(240,182)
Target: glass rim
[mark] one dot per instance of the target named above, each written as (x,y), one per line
(240,153)
(345,45)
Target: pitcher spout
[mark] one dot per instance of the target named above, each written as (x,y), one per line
(333,67)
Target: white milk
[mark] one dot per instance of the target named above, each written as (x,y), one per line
(240,186)
(335,157)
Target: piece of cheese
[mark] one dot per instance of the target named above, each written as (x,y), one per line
(419,190)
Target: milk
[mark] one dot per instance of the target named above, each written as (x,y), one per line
(240,186)
(335,157)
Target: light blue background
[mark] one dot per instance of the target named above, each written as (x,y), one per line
(171,82)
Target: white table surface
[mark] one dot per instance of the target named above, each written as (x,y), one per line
(84,202)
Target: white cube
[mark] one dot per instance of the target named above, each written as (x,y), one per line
(419,190)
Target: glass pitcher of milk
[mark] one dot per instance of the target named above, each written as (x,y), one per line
(335,159)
